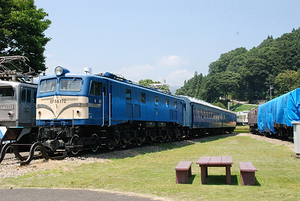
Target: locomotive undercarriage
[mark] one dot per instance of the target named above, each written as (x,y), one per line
(75,139)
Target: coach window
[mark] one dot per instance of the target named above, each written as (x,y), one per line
(175,104)
(156,100)
(128,95)
(143,97)
(167,102)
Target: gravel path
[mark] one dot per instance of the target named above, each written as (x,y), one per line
(10,167)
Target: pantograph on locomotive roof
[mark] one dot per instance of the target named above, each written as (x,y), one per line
(15,68)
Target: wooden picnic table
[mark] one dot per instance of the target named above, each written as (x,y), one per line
(215,161)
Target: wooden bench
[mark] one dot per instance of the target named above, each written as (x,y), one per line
(247,173)
(183,172)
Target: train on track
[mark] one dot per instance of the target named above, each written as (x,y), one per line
(83,111)
(17,100)
(276,117)
(242,118)
(66,113)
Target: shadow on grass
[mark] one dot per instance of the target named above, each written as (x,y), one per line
(191,179)
(152,147)
(220,180)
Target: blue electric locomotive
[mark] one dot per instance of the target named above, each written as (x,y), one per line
(84,111)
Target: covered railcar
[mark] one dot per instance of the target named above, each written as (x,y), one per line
(276,116)
(84,111)
(252,120)
(202,117)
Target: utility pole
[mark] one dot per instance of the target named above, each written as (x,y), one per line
(271,92)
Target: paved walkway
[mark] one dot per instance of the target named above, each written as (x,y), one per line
(65,195)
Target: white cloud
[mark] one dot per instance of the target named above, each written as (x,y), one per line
(137,72)
(171,60)
(176,78)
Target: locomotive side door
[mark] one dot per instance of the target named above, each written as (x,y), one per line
(27,107)
(106,102)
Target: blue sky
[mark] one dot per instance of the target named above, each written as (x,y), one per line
(158,39)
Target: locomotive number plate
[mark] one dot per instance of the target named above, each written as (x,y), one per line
(58,101)
(6,107)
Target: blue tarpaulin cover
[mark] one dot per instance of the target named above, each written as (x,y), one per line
(281,110)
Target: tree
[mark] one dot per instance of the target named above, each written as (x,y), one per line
(149,82)
(21,31)
(288,81)
(221,85)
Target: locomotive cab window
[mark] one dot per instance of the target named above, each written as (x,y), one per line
(95,88)
(128,95)
(48,85)
(70,84)
(167,102)
(6,91)
(175,104)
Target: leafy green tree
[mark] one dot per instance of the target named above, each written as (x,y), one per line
(148,82)
(224,61)
(21,31)
(272,63)
(288,81)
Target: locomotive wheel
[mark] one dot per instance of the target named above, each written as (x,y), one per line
(111,146)
(94,147)
(123,145)
(74,140)
(138,142)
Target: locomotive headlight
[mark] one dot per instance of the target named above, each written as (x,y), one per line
(58,71)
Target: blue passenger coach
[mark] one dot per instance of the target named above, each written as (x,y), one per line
(203,117)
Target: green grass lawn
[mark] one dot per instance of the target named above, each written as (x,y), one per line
(277,178)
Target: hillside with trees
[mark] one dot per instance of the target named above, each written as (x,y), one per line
(249,75)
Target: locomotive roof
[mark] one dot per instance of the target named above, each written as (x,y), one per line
(112,77)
